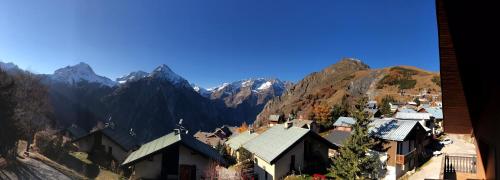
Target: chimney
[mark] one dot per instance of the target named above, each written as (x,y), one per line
(288,124)
(177,131)
(251,130)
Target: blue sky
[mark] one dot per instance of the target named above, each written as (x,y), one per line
(214,41)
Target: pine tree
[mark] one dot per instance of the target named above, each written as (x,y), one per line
(8,129)
(385,108)
(353,161)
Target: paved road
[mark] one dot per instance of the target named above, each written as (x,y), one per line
(31,169)
(432,169)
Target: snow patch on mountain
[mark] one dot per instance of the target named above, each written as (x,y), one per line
(164,72)
(78,73)
(265,85)
(133,76)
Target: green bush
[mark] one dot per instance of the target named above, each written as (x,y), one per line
(407,83)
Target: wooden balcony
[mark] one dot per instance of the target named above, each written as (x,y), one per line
(403,158)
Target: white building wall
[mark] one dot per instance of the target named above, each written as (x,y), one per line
(148,169)
(281,168)
(117,152)
(190,157)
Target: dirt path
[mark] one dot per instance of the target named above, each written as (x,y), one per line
(31,169)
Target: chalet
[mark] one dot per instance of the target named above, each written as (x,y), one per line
(344,123)
(236,142)
(115,142)
(423,118)
(174,156)
(403,143)
(218,136)
(307,124)
(284,149)
(275,119)
(436,116)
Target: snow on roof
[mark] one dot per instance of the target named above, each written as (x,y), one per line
(413,116)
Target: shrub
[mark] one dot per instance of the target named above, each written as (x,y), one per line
(436,80)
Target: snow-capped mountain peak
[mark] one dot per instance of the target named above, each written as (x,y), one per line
(133,76)
(80,72)
(255,85)
(164,72)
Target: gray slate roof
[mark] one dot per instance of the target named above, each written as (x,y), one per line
(273,142)
(345,121)
(392,129)
(338,137)
(413,116)
(237,141)
(435,112)
(163,142)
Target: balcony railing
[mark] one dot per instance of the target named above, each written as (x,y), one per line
(402,158)
(459,163)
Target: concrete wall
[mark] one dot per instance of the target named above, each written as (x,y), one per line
(190,157)
(148,169)
(117,152)
(261,168)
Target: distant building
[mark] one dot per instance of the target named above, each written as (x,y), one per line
(344,123)
(307,124)
(219,136)
(275,119)
(404,144)
(174,156)
(236,142)
(423,118)
(284,148)
(115,142)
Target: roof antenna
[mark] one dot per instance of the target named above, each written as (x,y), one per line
(180,128)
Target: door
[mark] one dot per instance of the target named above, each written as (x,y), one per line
(187,172)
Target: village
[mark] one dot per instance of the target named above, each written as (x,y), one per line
(286,147)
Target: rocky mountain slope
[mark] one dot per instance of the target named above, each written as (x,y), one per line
(350,77)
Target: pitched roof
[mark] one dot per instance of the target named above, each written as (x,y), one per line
(345,121)
(392,129)
(121,137)
(76,132)
(277,140)
(270,144)
(414,116)
(405,110)
(240,139)
(301,122)
(435,112)
(168,140)
(274,117)
(338,137)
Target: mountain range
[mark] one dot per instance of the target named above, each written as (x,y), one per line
(152,103)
